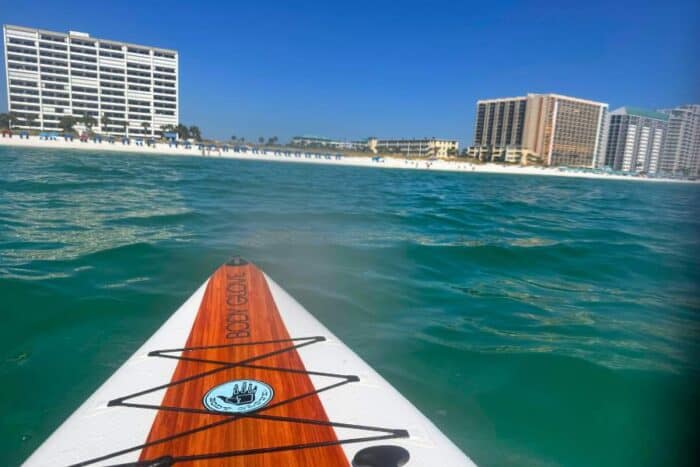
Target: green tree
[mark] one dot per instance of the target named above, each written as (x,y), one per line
(30,119)
(166,129)
(5,120)
(182,131)
(145,126)
(105,122)
(261,140)
(89,121)
(195,133)
(67,122)
(14,118)
(233,138)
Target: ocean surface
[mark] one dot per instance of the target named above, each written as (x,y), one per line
(537,321)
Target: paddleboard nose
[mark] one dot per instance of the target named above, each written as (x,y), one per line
(236,261)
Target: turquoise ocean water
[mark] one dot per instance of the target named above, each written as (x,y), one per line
(538,321)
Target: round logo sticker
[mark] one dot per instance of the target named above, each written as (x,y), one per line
(239,396)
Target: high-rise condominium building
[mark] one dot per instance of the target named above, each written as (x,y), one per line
(124,87)
(500,122)
(565,131)
(560,130)
(681,150)
(635,140)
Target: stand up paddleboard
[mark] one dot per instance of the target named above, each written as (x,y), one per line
(242,375)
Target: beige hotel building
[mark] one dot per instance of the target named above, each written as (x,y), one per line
(550,128)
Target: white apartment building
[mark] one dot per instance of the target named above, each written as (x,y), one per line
(681,151)
(635,139)
(127,88)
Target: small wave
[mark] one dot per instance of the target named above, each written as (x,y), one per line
(126,282)
(148,218)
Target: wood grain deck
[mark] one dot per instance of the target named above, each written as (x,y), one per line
(237,295)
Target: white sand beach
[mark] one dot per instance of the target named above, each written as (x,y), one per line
(315,157)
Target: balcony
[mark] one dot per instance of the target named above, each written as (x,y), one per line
(21,50)
(49,46)
(52,38)
(83,74)
(157,97)
(138,59)
(54,78)
(21,67)
(18,41)
(104,55)
(111,85)
(170,92)
(137,81)
(25,99)
(112,92)
(22,58)
(22,93)
(77,53)
(53,62)
(141,90)
(141,118)
(31,91)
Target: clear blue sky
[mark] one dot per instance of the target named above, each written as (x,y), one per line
(400,68)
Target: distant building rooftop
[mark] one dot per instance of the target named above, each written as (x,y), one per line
(84,35)
(639,112)
(313,137)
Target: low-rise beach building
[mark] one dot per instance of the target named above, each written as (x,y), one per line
(423,147)
(321,142)
(417,147)
(126,88)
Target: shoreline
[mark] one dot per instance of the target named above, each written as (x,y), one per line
(314,158)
